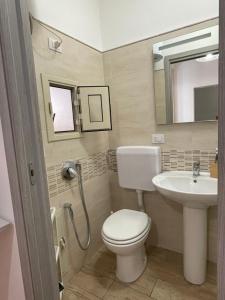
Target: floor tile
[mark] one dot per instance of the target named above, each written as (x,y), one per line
(78,294)
(162,280)
(120,291)
(103,262)
(166,265)
(144,284)
(93,283)
(164,291)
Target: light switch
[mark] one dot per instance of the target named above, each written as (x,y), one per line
(158,138)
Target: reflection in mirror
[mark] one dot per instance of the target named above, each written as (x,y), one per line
(62,109)
(194,88)
(186,77)
(206,106)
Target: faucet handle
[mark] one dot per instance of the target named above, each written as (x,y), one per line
(196,163)
(69,169)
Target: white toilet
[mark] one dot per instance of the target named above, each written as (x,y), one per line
(125,231)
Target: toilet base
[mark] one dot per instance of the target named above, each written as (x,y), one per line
(130,267)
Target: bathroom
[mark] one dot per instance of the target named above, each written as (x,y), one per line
(112,51)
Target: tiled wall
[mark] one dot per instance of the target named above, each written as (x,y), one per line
(175,160)
(91,166)
(129,73)
(183,160)
(83,65)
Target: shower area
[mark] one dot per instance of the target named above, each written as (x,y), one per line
(77,170)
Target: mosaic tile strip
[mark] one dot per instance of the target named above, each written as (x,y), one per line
(175,160)
(111,159)
(91,166)
(182,160)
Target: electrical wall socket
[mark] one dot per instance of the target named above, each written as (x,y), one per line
(158,138)
(52,45)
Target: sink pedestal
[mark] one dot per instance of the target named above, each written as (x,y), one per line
(195,244)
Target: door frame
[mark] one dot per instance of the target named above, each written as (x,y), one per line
(221,146)
(24,152)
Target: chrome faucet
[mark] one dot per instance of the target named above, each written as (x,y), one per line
(196,169)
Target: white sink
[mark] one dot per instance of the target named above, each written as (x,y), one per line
(181,187)
(196,195)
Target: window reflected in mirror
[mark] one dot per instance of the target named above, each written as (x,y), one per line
(62,109)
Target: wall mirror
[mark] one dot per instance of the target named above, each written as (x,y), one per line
(186,78)
(71,109)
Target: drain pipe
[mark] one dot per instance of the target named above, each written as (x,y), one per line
(140,195)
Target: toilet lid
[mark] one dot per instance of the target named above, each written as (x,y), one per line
(125,224)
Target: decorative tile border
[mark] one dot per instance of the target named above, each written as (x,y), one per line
(182,160)
(111,159)
(99,163)
(91,166)
(175,160)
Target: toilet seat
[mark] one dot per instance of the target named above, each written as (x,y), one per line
(126,227)
(127,242)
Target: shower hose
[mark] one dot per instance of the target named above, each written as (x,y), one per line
(71,213)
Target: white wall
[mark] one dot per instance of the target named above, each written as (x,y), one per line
(11,282)
(126,21)
(106,24)
(77,18)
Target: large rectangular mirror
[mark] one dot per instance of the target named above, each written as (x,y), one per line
(186,78)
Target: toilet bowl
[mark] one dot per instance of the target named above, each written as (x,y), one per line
(124,233)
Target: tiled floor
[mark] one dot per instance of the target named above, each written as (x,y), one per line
(162,280)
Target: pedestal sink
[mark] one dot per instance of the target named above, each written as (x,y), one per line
(196,195)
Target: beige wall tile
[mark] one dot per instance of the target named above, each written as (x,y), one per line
(84,66)
(98,204)
(129,72)
(80,64)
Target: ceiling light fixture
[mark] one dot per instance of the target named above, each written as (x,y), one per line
(208,57)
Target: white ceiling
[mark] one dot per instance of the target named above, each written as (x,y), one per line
(106,24)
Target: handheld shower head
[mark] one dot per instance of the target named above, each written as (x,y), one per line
(70,210)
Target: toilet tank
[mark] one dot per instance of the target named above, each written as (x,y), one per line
(137,165)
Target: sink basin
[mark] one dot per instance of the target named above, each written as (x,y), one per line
(181,187)
(195,195)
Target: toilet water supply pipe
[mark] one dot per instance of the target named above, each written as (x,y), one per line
(71,213)
(140,195)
